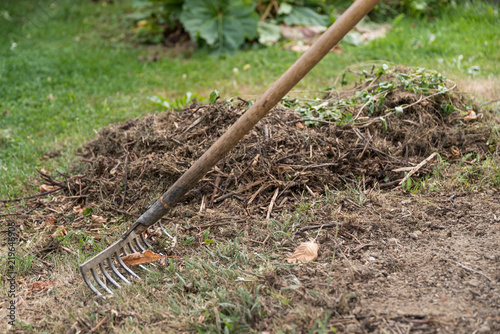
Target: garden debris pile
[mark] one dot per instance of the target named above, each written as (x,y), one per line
(370,135)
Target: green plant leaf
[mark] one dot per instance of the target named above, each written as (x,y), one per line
(269,33)
(87,211)
(222,24)
(214,95)
(305,16)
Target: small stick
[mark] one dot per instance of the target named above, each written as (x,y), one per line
(472,270)
(231,194)
(195,123)
(256,193)
(312,120)
(202,205)
(313,194)
(417,167)
(272,203)
(69,250)
(98,325)
(29,197)
(314,227)
(216,185)
(125,179)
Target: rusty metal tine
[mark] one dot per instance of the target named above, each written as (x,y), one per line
(144,241)
(165,231)
(101,283)
(117,273)
(127,269)
(90,285)
(108,277)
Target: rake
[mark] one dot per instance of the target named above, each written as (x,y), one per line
(133,240)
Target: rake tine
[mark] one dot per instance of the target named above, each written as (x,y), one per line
(117,273)
(147,243)
(90,285)
(108,277)
(144,241)
(127,269)
(165,231)
(131,247)
(98,280)
(139,245)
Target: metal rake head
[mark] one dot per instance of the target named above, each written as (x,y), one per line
(130,242)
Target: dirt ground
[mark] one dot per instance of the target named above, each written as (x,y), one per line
(422,264)
(394,256)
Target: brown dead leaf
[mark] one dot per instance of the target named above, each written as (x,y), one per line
(50,221)
(471,115)
(60,232)
(45,188)
(300,125)
(455,152)
(98,219)
(40,285)
(136,259)
(307,251)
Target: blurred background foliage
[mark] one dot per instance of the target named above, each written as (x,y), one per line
(223,26)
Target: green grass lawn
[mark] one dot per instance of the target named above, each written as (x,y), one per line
(68,68)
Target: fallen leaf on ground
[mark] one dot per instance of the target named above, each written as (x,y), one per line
(300,125)
(45,188)
(98,219)
(50,221)
(307,251)
(471,115)
(60,232)
(40,285)
(136,259)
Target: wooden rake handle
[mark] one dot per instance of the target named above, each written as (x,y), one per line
(247,121)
